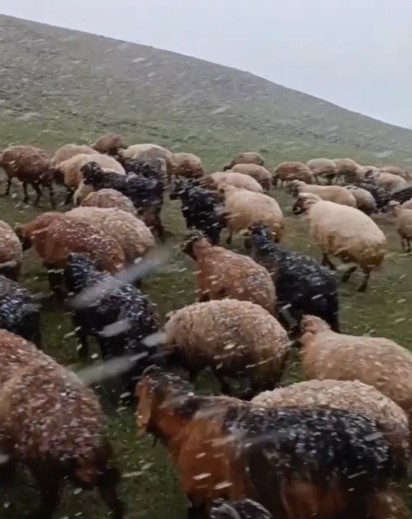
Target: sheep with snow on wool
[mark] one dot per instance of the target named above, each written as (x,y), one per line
(344,232)
(234,338)
(11,252)
(149,151)
(109,198)
(221,273)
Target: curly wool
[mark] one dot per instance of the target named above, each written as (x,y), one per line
(259,173)
(235,179)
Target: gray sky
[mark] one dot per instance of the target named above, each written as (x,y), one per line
(355,53)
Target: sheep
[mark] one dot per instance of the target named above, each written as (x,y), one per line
(239,180)
(302,285)
(19,313)
(187,165)
(337,194)
(396,170)
(387,181)
(51,423)
(68,151)
(54,236)
(149,151)
(201,209)
(247,157)
(11,252)
(297,463)
(401,195)
(99,319)
(407,204)
(133,236)
(348,170)
(146,192)
(30,166)
(233,338)
(259,173)
(365,201)
(403,224)
(322,168)
(245,509)
(110,144)
(69,173)
(379,194)
(345,232)
(243,208)
(376,361)
(107,198)
(287,171)
(221,273)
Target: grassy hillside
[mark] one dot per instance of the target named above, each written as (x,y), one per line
(60,86)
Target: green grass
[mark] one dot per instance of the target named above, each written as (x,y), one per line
(150,488)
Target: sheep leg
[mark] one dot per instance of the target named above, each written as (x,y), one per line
(83,350)
(55,281)
(224,386)
(39,193)
(229,238)
(364,285)
(403,247)
(197,512)
(111,500)
(69,195)
(50,492)
(347,274)
(327,263)
(51,196)
(26,194)
(7,192)
(408,242)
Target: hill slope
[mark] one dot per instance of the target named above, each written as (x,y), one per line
(57,80)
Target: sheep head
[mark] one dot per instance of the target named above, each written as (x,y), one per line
(92,173)
(192,241)
(304,201)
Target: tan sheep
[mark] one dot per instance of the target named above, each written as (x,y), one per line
(348,395)
(107,198)
(375,361)
(387,181)
(348,170)
(247,157)
(244,208)
(149,151)
(68,151)
(29,165)
(110,144)
(288,171)
(221,273)
(187,165)
(344,232)
(11,252)
(403,223)
(132,234)
(323,168)
(234,179)
(337,194)
(259,173)
(233,338)
(395,170)
(407,204)
(365,201)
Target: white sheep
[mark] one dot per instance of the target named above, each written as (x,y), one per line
(344,232)
(387,181)
(259,173)
(337,194)
(396,170)
(403,223)
(235,179)
(365,201)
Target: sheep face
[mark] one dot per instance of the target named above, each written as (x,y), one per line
(188,245)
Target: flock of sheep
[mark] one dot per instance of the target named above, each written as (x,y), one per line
(334,446)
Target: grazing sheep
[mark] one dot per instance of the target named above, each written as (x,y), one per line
(259,173)
(110,144)
(407,204)
(389,182)
(149,151)
(395,170)
(201,209)
(187,165)
(100,318)
(365,201)
(375,361)
(18,312)
(345,232)
(323,168)
(69,173)
(297,463)
(302,285)
(244,208)
(245,509)
(221,273)
(288,171)
(401,195)
(247,157)
(107,198)
(379,194)
(403,224)
(235,179)
(11,252)
(233,338)
(348,170)
(146,192)
(337,194)
(51,423)
(133,236)
(30,166)
(68,151)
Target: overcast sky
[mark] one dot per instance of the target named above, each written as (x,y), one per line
(355,53)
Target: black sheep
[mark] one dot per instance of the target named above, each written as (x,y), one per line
(201,208)
(302,285)
(246,509)
(18,312)
(119,317)
(402,195)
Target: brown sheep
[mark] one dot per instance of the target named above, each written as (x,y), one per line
(31,166)
(70,150)
(107,198)
(225,448)
(187,165)
(149,151)
(348,170)
(53,424)
(11,252)
(110,144)
(247,157)
(288,171)
(259,173)
(323,168)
